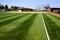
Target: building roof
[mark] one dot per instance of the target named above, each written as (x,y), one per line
(55,8)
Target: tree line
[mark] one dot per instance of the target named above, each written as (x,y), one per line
(3,7)
(12,8)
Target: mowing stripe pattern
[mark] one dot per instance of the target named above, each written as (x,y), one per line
(22,27)
(36,31)
(9,21)
(53,28)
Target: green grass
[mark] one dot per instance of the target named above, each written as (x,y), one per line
(36,31)
(15,26)
(22,26)
(9,21)
(53,26)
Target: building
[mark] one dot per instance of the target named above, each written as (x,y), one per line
(2,10)
(55,10)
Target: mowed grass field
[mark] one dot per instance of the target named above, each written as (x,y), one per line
(20,26)
(53,26)
(28,26)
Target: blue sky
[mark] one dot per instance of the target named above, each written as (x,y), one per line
(30,3)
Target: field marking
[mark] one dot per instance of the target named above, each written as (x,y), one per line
(45,28)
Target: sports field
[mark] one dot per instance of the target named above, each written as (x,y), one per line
(29,26)
(53,26)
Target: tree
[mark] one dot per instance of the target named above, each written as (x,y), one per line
(47,6)
(1,6)
(14,7)
(11,8)
(6,6)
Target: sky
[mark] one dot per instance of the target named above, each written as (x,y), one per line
(30,3)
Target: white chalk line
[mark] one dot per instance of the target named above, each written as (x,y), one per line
(45,29)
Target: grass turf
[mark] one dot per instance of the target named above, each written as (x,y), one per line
(53,26)
(22,27)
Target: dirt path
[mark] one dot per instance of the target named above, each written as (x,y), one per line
(56,14)
(35,12)
(26,12)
